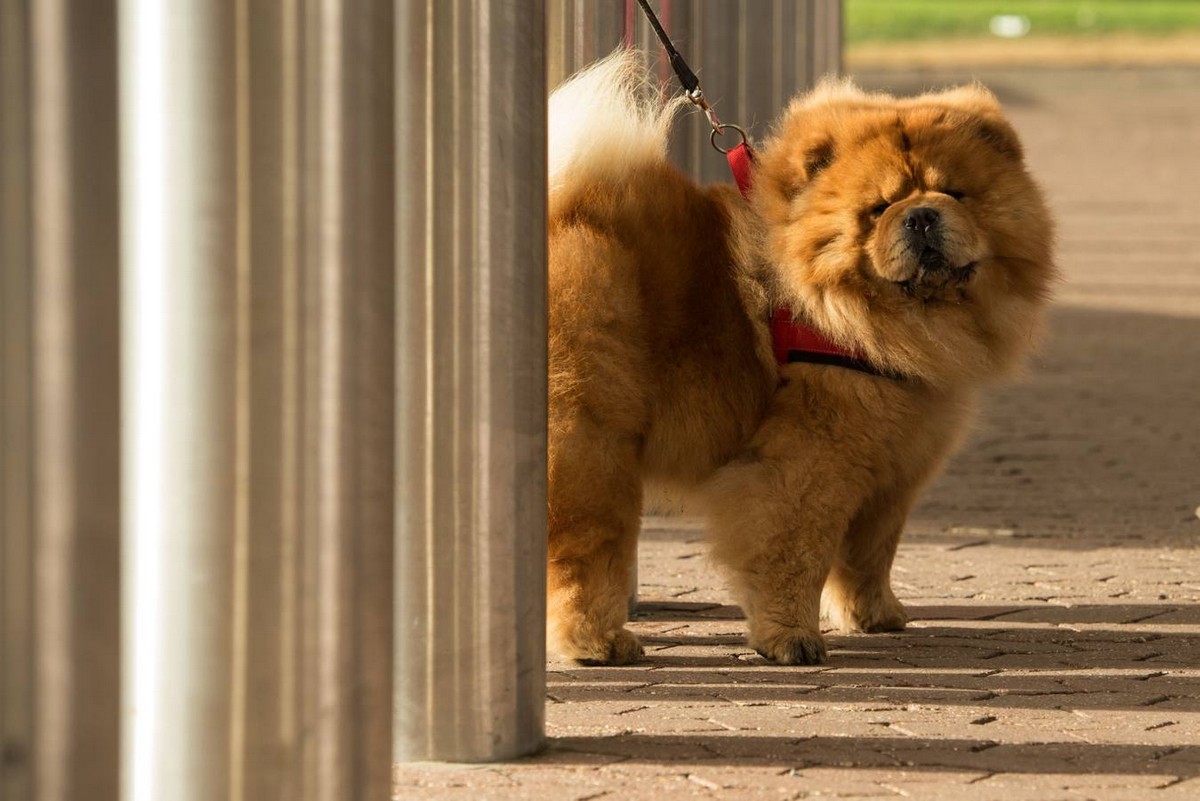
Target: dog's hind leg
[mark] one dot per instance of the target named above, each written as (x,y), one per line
(595,505)
(598,418)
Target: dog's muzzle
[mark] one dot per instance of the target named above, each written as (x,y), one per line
(923,234)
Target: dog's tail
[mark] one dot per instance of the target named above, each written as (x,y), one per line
(606,120)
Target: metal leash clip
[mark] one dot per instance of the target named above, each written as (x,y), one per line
(696,96)
(691,85)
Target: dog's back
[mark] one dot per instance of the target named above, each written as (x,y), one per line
(648,318)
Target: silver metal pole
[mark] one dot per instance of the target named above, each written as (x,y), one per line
(268,725)
(580,31)
(349,374)
(470,549)
(17,689)
(59,530)
(258,288)
(181,270)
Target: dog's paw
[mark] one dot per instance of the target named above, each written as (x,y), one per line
(619,647)
(871,616)
(792,647)
(883,617)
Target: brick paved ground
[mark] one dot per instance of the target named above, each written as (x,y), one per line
(1053,573)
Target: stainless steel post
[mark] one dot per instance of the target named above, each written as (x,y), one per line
(348,338)
(59,510)
(181,270)
(257,196)
(471,526)
(17,690)
(580,31)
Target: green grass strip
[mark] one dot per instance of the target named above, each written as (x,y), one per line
(907,20)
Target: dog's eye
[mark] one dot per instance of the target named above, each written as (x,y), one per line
(954,193)
(877,211)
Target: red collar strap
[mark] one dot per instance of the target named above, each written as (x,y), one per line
(795,342)
(741,163)
(792,341)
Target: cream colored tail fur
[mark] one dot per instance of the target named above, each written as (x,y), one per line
(606,119)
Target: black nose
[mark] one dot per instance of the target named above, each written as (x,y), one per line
(922,221)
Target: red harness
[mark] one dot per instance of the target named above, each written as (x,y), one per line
(793,341)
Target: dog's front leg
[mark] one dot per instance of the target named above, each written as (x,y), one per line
(777,516)
(858,594)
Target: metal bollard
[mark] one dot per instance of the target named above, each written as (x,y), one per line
(258,304)
(471,527)
(180,370)
(59,441)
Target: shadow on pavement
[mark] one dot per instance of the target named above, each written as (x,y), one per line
(1059,614)
(1099,446)
(1136,657)
(908,753)
(875,679)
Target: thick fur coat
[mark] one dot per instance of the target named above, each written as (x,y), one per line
(908,231)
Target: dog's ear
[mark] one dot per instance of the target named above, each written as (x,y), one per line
(796,165)
(986,118)
(996,132)
(818,156)
(804,143)
(817,116)
(805,148)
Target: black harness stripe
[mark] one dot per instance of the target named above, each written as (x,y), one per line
(810,357)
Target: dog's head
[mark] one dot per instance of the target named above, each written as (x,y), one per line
(909,228)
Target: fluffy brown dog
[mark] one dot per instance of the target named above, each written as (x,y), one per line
(905,230)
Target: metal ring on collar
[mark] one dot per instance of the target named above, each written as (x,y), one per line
(719,130)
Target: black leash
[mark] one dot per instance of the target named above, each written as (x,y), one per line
(691,86)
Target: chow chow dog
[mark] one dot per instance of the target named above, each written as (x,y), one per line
(906,231)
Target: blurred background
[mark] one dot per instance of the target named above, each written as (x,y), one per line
(949,33)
